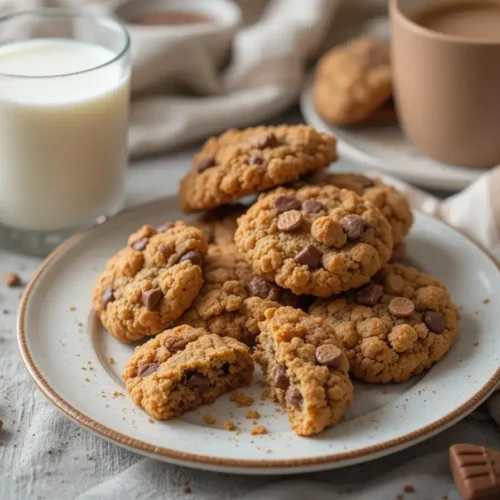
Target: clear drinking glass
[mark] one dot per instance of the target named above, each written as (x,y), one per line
(64,106)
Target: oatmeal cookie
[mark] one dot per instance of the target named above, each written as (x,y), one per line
(151,282)
(233,299)
(306,368)
(184,368)
(353,81)
(395,327)
(387,199)
(316,240)
(243,162)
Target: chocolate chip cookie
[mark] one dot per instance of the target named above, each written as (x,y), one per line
(395,327)
(243,162)
(305,367)
(184,368)
(151,282)
(233,299)
(387,199)
(353,81)
(317,240)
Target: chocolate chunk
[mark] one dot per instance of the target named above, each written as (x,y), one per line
(140,245)
(281,380)
(309,256)
(364,182)
(195,257)
(107,297)
(151,298)
(176,345)
(254,160)
(147,369)
(206,163)
(259,287)
(284,203)
(370,295)
(209,234)
(264,140)
(312,206)
(293,396)
(434,321)
(166,250)
(354,226)
(11,279)
(165,227)
(400,307)
(290,221)
(198,381)
(329,355)
(476,471)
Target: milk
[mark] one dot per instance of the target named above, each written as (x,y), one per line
(62,138)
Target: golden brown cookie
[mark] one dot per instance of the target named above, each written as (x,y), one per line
(353,81)
(184,368)
(387,199)
(317,240)
(151,282)
(233,299)
(395,327)
(305,367)
(243,162)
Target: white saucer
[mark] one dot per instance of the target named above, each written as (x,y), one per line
(385,149)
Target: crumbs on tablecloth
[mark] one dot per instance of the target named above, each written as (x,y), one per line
(476,344)
(252,415)
(209,419)
(151,421)
(241,399)
(11,279)
(486,301)
(229,425)
(265,394)
(258,430)
(49,452)
(187,490)
(118,393)
(385,391)
(111,360)
(72,308)
(409,488)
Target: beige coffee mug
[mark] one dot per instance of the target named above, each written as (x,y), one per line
(447,90)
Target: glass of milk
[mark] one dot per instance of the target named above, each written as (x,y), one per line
(64,105)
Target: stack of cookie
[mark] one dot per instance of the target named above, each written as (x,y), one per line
(301,273)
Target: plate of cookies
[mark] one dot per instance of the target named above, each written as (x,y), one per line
(266,320)
(350,96)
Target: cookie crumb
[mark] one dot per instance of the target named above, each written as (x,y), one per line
(49,452)
(1,424)
(117,393)
(241,399)
(258,430)
(72,308)
(444,497)
(87,380)
(151,421)
(229,425)
(277,410)
(265,394)
(11,279)
(409,488)
(486,301)
(111,360)
(476,344)
(5,311)
(48,473)
(187,490)
(90,459)
(400,497)
(209,419)
(252,415)
(385,391)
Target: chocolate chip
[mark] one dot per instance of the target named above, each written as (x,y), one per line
(312,206)
(364,182)
(264,140)
(281,380)
(209,234)
(254,160)
(259,287)
(195,257)
(206,163)
(354,226)
(286,202)
(290,221)
(329,355)
(151,298)
(226,369)
(176,345)
(309,256)
(198,381)
(147,369)
(165,227)
(140,245)
(400,307)
(434,321)
(166,250)
(370,295)
(107,297)
(293,396)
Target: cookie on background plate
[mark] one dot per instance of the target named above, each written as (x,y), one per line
(394,205)
(151,282)
(233,299)
(243,162)
(395,327)
(317,240)
(184,368)
(353,81)
(305,367)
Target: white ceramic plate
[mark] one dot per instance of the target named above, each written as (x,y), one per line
(385,149)
(68,354)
